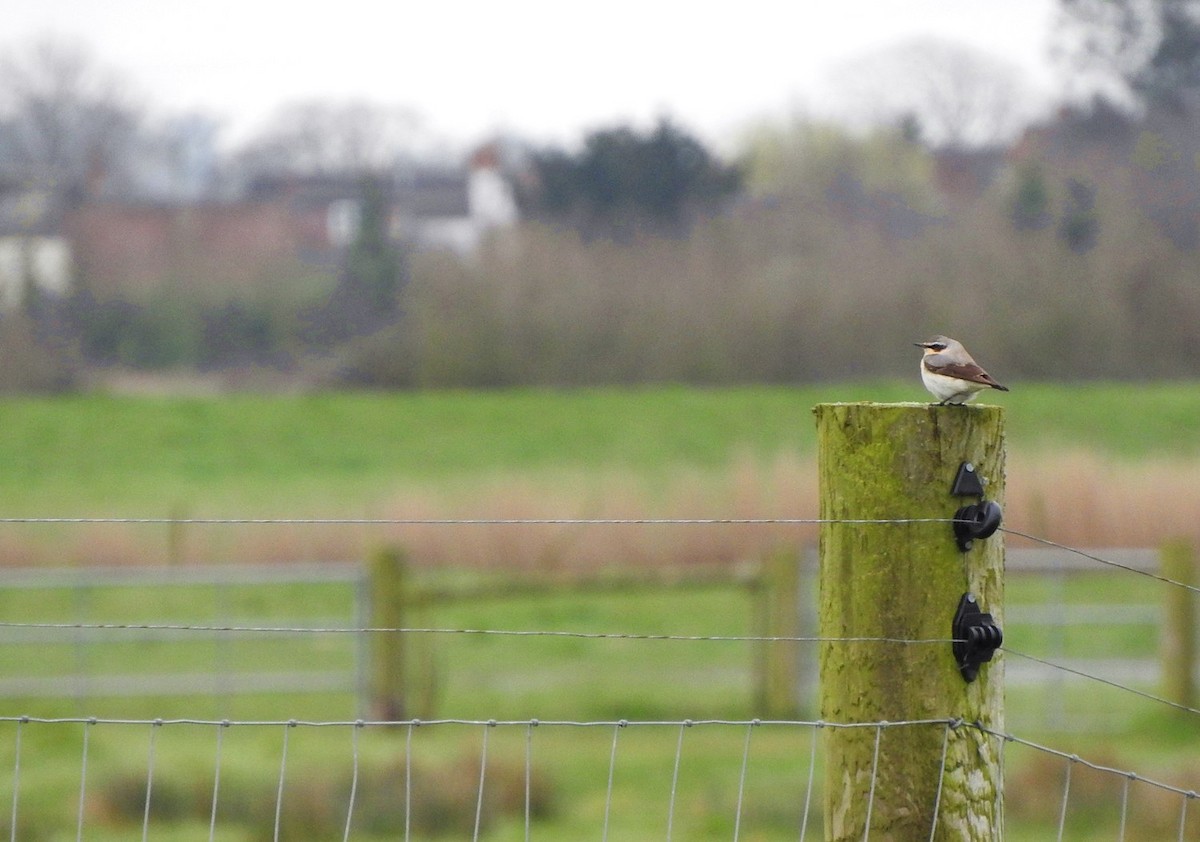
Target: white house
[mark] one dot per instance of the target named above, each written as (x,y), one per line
(471,205)
(32,249)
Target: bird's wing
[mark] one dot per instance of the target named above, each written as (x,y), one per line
(963,371)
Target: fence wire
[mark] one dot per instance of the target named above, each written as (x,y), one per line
(340,630)
(740,819)
(360,630)
(489,521)
(1101,680)
(1046,542)
(88,724)
(535,633)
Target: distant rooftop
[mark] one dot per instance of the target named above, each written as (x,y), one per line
(422,193)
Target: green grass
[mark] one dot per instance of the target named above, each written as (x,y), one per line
(348,455)
(479,677)
(342,453)
(501,677)
(345,451)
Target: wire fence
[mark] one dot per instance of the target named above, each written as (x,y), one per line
(530,732)
(359,797)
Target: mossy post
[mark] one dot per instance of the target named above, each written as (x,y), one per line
(389,608)
(1178,560)
(779,684)
(904,581)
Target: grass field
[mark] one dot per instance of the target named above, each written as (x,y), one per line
(350,452)
(481,678)
(1089,465)
(1096,465)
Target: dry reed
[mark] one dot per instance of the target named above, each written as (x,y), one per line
(1077,498)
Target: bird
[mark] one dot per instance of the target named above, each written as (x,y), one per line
(950,373)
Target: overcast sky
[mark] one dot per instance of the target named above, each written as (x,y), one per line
(543,69)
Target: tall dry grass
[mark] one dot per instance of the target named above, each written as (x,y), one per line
(847,245)
(1078,499)
(1082,500)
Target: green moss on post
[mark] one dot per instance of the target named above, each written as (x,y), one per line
(904,581)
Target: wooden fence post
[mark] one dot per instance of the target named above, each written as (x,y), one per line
(904,582)
(389,596)
(1179,623)
(779,679)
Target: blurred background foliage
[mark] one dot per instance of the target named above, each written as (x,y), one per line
(1060,246)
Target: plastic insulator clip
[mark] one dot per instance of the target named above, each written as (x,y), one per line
(976,521)
(976,637)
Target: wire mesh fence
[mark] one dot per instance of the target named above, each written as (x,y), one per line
(497,780)
(493,774)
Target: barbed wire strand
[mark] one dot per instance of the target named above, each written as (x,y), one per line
(808,790)
(233,629)
(568,521)
(1107,681)
(16,780)
(351,630)
(478,521)
(149,781)
(589,635)
(1183,806)
(212,819)
(584,635)
(1101,560)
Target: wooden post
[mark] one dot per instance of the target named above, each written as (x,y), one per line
(389,598)
(904,582)
(779,680)
(1178,560)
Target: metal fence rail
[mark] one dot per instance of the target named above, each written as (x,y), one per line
(78,678)
(1053,616)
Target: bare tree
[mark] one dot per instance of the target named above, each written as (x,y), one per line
(1142,50)
(319,137)
(67,120)
(957,95)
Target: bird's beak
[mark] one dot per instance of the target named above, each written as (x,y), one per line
(921,344)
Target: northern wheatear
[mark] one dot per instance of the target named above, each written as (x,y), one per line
(950,373)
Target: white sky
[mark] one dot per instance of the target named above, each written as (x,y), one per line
(546,70)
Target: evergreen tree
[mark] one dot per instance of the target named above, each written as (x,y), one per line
(624,179)
(374,270)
